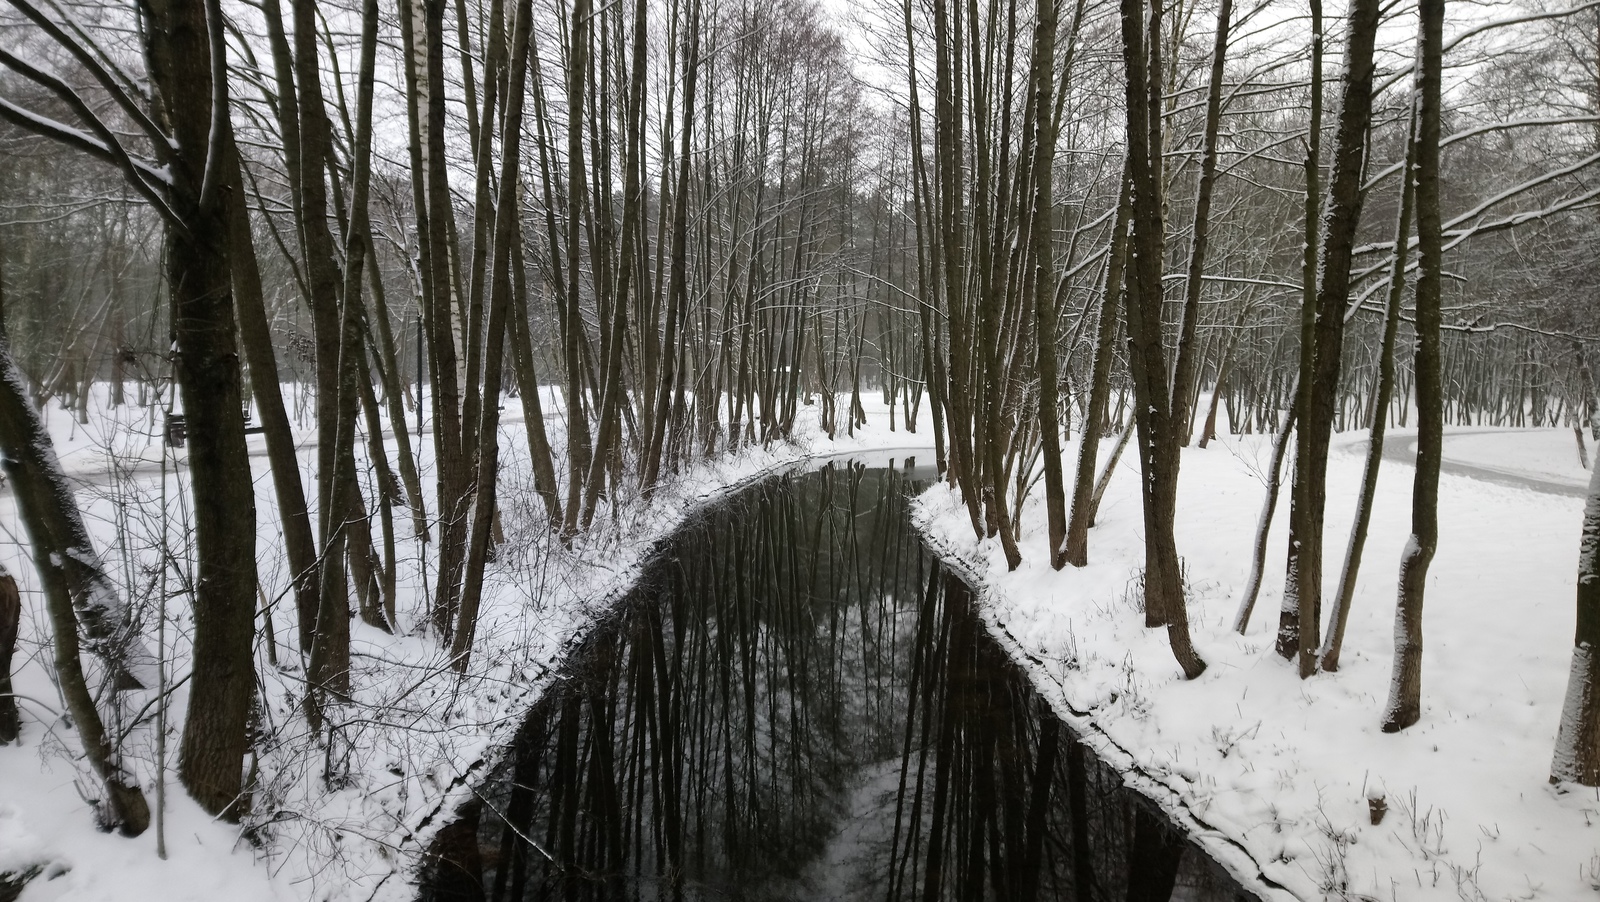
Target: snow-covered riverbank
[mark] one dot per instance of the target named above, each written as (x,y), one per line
(1274,772)
(412,736)
(1271,772)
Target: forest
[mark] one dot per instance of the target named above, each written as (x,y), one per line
(671,232)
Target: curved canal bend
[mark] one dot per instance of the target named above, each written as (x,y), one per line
(798,703)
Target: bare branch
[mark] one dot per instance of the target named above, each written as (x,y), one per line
(140,175)
(215,142)
(76,45)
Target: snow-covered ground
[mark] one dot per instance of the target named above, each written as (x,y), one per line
(1275,772)
(413,733)
(1547,455)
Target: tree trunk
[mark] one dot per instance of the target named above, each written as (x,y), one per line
(1224,372)
(1043,137)
(1405,686)
(10,620)
(1258,560)
(1382,393)
(1300,587)
(1303,590)
(179,47)
(505,231)
(394,394)
(1185,370)
(1577,754)
(544,473)
(578,448)
(75,586)
(255,334)
(1165,604)
(677,289)
(1105,352)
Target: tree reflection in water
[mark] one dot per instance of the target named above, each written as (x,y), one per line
(797,703)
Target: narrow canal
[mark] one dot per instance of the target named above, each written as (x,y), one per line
(797,703)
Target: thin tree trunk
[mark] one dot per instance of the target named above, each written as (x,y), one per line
(443,320)
(75,584)
(1224,371)
(10,620)
(1381,395)
(1577,752)
(1258,560)
(1043,137)
(1298,631)
(1103,481)
(1405,686)
(1185,369)
(394,395)
(544,473)
(1105,352)
(1165,604)
(505,231)
(578,449)
(255,334)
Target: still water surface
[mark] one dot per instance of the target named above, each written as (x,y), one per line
(797,703)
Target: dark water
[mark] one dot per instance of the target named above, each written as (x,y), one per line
(797,703)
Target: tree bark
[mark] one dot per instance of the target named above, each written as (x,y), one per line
(1405,686)
(10,620)
(75,586)
(1158,439)
(1298,630)
(1300,587)
(1577,753)
(505,232)
(1382,393)
(1258,560)
(1043,137)
(255,335)
(677,289)
(578,448)
(544,473)
(1184,370)
(183,40)
(1105,352)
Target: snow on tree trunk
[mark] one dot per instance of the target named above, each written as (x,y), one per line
(1577,756)
(1404,707)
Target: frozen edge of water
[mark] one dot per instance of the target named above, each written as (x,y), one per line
(1232,854)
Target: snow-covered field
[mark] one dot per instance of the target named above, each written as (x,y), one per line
(1274,772)
(413,733)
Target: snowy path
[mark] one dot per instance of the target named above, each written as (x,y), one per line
(1403,449)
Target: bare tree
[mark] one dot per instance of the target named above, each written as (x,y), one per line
(1165,604)
(78,594)
(1405,687)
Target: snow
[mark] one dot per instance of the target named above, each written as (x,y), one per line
(1275,773)
(410,741)
(1548,454)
